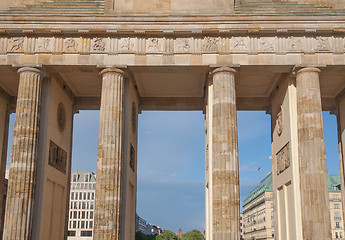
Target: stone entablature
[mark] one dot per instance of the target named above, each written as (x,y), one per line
(173,45)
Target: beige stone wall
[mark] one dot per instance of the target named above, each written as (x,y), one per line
(285,165)
(4,121)
(52,184)
(131,108)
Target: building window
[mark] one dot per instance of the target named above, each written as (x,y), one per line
(336,206)
(75,177)
(340,234)
(82,224)
(86,177)
(72,196)
(271,205)
(88,196)
(86,233)
(82,186)
(75,214)
(74,224)
(92,196)
(337,216)
(71,233)
(337,225)
(91,205)
(94,186)
(91,215)
(80,195)
(336,234)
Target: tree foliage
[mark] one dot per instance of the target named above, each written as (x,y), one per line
(167,235)
(193,235)
(142,236)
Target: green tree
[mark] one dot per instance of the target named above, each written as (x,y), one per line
(167,235)
(142,236)
(193,235)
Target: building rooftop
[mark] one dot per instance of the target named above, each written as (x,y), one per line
(266,186)
(80,176)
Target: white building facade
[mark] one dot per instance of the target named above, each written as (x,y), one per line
(81,207)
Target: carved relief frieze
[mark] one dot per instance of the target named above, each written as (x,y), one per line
(44,44)
(182,45)
(267,44)
(154,45)
(210,45)
(171,45)
(16,44)
(322,44)
(239,44)
(283,159)
(126,45)
(70,45)
(294,44)
(98,44)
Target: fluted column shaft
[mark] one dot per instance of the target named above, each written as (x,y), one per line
(225,171)
(21,184)
(312,157)
(110,157)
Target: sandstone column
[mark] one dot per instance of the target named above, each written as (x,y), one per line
(110,157)
(225,171)
(21,185)
(311,155)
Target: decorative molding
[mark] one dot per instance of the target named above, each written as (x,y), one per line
(142,45)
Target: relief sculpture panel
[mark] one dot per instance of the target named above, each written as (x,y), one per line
(283,159)
(57,157)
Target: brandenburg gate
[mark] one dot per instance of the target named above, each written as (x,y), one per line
(124,57)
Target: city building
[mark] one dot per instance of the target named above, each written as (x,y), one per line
(145,227)
(180,233)
(81,207)
(258,210)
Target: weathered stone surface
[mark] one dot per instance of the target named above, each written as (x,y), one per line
(110,157)
(21,185)
(312,157)
(225,171)
(4,121)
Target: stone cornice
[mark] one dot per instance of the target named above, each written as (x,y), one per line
(170,25)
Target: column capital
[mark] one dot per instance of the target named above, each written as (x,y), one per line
(111,70)
(297,69)
(308,69)
(33,70)
(223,69)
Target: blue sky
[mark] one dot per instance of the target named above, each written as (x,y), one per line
(171,160)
